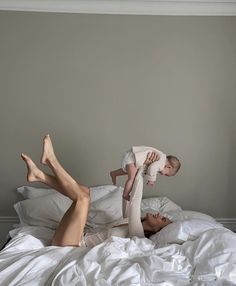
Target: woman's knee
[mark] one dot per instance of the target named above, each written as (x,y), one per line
(86,190)
(85,195)
(82,194)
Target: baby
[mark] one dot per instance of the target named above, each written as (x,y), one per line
(135,158)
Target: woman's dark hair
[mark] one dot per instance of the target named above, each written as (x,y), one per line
(149,233)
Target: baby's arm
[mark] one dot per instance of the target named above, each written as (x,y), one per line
(151,173)
(152,158)
(155,167)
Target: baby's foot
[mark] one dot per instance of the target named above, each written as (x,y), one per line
(34,173)
(48,152)
(113,178)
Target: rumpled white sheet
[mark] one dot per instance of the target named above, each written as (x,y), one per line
(209,260)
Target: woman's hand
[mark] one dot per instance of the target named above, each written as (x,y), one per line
(151,157)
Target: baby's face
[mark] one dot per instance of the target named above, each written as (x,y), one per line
(167,171)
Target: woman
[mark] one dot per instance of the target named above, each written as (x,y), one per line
(71,229)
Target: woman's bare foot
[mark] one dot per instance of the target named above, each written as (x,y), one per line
(34,173)
(113,178)
(48,152)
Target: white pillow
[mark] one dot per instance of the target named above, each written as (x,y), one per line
(181,231)
(158,204)
(96,193)
(44,211)
(153,204)
(44,234)
(100,192)
(107,209)
(48,210)
(176,215)
(34,192)
(45,207)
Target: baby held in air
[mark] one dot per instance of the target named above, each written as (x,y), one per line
(155,162)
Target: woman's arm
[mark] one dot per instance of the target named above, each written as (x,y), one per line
(134,210)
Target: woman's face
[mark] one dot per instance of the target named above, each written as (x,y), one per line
(156,221)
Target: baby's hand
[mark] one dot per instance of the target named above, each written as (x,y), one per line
(150,183)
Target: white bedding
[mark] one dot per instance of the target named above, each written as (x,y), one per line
(208,260)
(199,251)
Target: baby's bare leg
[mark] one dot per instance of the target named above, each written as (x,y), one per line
(131,171)
(115,173)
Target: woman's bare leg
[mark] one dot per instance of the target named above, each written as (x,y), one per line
(49,158)
(71,227)
(36,175)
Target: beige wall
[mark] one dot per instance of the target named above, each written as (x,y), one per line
(99,84)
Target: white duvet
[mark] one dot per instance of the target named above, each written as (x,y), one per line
(208,260)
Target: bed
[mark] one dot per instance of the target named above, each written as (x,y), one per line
(193,250)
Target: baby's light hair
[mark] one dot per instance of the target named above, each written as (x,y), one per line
(174,162)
